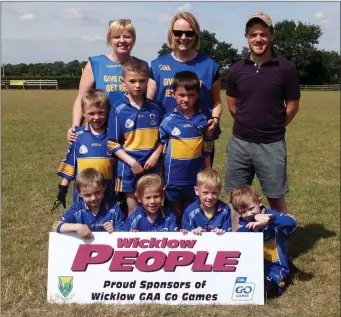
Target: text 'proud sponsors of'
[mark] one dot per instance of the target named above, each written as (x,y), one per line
(173,268)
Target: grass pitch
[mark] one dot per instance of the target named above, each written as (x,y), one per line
(34,126)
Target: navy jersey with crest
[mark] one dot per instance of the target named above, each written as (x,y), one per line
(164,68)
(107,75)
(275,235)
(185,146)
(88,151)
(195,217)
(80,213)
(136,131)
(164,222)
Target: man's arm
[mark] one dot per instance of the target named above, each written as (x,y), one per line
(231,105)
(292,107)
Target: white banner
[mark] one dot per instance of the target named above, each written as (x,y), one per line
(156,268)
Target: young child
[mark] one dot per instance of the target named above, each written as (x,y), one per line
(133,131)
(92,213)
(207,213)
(187,151)
(150,215)
(90,148)
(277,227)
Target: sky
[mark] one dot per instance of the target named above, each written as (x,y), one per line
(33,32)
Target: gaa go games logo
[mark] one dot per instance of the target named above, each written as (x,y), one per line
(65,285)
(243,291)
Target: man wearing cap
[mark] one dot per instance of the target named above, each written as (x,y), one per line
(263,95)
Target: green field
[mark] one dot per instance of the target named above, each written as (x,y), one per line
(34,125)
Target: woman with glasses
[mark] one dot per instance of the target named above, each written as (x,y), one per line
(104,71)
(184,39)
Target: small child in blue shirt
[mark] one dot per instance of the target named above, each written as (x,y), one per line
(207,213)
(90,148)
(150,215)
(276,228)
(92,213)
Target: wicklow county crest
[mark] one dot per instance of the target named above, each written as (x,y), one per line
(65,285)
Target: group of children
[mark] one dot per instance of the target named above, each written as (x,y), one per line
(162,164)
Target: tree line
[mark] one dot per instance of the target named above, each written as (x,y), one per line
(296,41)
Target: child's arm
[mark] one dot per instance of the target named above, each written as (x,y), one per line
(187,225)
(67,224)
(67,171)
(207,152)
(153,159)
(284,223)
(227,223)
(173,227)
(114,147)
(128,225)
(82,230)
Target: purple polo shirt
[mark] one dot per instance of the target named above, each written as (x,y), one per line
(260,93)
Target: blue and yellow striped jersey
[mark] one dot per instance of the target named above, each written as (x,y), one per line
(275,236)
(164,222)
(133,130)
(185,146)
(79,212)
(195,217)
(89,150)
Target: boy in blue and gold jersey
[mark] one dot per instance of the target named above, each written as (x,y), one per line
(92,213)
(187,150)
(150,215)
(276,228)
(90,148)
(133,130)
(207,213)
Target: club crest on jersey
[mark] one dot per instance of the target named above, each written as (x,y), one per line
(152,119)
(176,131)
(164,67)
(83,149)
(129,123)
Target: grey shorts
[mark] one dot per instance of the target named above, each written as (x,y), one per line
(267,161)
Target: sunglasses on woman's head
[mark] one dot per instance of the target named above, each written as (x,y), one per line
(120,21)
(179,33)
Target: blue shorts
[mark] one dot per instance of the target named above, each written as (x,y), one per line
(126,183)
(181,194)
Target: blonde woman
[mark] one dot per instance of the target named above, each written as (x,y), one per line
(104,71)
(184,39)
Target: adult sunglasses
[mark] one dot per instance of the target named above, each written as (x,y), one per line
(124,21)
(179,33)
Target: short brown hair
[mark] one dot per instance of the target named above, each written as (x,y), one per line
(210,178)
(117,26)
(243,196)
(88,177)
(193,22)
(134,65)
(95,98)
(149,180)
(188,80)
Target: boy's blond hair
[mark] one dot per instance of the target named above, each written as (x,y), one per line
(95,98)
(242,197)
(193,22)
(149,180)
(118,26)
(210,178)
(88,177)
(134,65)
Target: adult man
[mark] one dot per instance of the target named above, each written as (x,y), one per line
(263,95)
